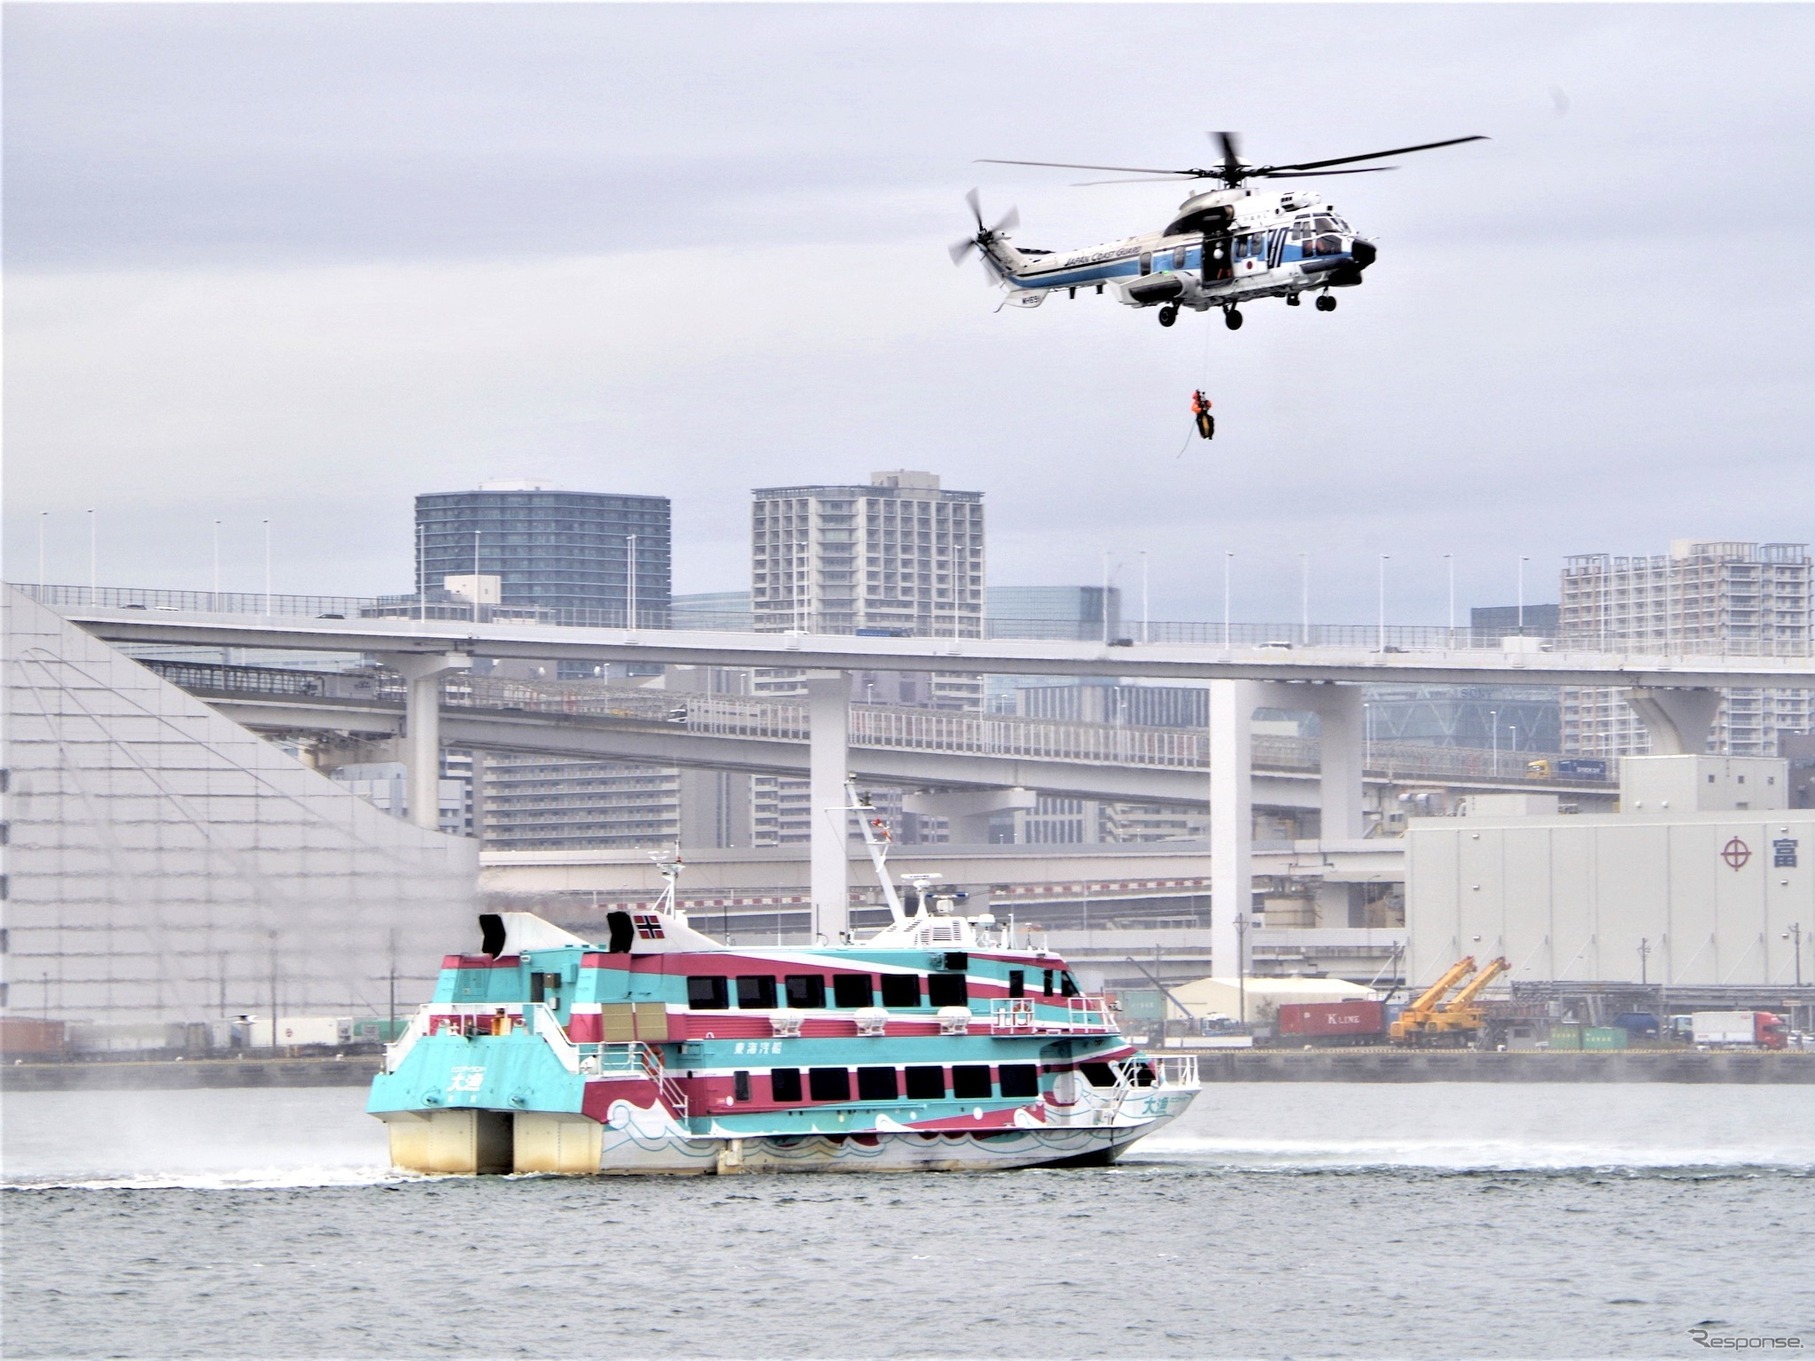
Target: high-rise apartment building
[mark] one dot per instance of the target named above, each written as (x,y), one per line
(1711,597)
(549,548)
(901,554)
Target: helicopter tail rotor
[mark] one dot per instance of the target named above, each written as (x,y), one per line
(985,235)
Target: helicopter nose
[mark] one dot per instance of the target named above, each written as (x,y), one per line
(1364,252)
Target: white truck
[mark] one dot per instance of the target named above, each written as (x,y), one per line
(1736,1030)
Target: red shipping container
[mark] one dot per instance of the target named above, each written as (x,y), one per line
(1312,1019)
(27,1036)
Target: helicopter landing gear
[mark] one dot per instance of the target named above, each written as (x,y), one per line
(1292,300)
(1232,319)
(1168,315)
(1325,303)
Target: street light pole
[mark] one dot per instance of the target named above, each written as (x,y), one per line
(1105,597)
(1522,561)
(1644,954)
(1382,636)
(1449,562)
(631,551)
(1304,599)
(1143,595)
(1228,567)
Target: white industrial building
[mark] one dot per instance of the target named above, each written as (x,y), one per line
(164,864)
(1704,877)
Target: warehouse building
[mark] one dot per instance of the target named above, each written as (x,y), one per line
(1704,878)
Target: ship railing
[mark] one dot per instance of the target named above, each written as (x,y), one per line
(632,1058)
(397,1049)
(1020,1016)
(1175,1070)
(1015,1016)
(1089,1013)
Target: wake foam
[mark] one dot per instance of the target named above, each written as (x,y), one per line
(1461,1155)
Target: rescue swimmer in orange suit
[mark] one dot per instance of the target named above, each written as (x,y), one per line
(1200,412)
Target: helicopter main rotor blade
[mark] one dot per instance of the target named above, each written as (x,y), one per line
(1369,156)
(1232,161)
(1134,179)
(1074,165)
(1318,174)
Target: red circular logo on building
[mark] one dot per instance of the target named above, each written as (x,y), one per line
(1736,853)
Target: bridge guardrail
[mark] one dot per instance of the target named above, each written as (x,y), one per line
(1713,641)
(872,725)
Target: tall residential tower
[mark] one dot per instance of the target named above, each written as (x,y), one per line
(1748,599)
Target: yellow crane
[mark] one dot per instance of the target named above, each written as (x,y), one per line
(1431,1019)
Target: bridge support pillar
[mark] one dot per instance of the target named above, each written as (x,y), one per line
(1679,721)
(422,728)
(1340,719)
(968,811)
(1232,705)
(828,763)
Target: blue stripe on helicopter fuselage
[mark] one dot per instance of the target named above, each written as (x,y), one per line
(1101,271)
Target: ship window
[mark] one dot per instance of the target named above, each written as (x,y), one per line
(876,1084)
(1046,983)
(1068,986)
(925,1083)
(784,1084)
(806,990)
(970,1081)
(1017,983)
(900,990)
(756,990)
(851,990)
(1098,1074)
(708,994)
(829,1084)
(947,990)
(740,1084)
(1020,1079)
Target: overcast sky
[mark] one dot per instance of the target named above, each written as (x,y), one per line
(301,263)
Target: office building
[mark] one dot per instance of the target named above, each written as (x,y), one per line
(1508,621)
(714,610)
(566,552)
(1085,613)
(1724,598)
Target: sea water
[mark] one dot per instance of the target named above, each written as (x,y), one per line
(1303,1220)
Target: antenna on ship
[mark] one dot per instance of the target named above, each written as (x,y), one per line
(669,865)
(877,840)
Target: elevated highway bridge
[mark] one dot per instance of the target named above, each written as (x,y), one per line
(1674,694)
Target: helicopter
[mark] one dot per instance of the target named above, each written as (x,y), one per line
(1223,247)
